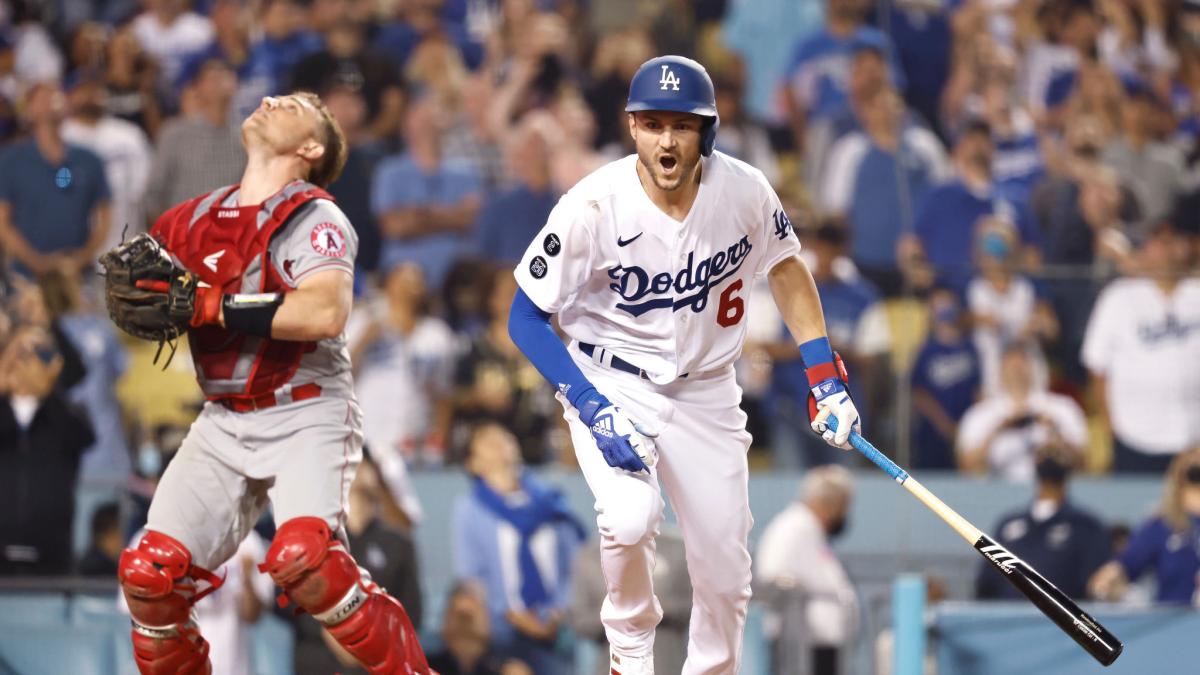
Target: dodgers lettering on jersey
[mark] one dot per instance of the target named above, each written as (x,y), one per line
(667,296)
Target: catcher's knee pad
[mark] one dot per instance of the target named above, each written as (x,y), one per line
(158,580)
(317,573)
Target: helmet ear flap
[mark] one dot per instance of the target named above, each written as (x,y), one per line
(708,135)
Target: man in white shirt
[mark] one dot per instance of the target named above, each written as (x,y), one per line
(170,32)
(794,555)
(123,147)
(1001,434)
(1142,348)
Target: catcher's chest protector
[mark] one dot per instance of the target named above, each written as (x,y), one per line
(227,249)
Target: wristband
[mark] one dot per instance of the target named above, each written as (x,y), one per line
(816,352)
(252,313)
(588,403)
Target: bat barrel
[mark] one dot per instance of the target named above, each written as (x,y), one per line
(1086,631)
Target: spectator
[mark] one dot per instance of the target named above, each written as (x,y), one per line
(122,146)
(794,553)
(389,557)
(169,31)
(740,136)
(403,362)
(352,189)
(467,636)
(424,203)
(859,332)
(228,614)
(1164,544)
(496,382)
(1143,351)
(672,587)
(106,544)
(1063,542)
(90,340)
(864,182)
(284,41)
(1004,306)
(54,198)
(1001,434)
(947,216)
(945,382)
(816,78)
(232,23)
(924,43)
(349,63)
(201,150)
(41,439)
(129,78)
(1154,170)
(511,219)
(529,587)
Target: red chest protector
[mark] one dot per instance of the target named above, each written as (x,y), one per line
(227,249)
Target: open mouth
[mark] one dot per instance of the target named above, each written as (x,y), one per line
(668,164)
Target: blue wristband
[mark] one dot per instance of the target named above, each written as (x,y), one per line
(816,352)
(588,403)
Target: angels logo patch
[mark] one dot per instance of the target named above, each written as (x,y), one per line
(327,239)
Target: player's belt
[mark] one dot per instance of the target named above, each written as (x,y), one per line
(251,403)
(618,362)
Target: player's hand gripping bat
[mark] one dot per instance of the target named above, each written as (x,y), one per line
(1101,644)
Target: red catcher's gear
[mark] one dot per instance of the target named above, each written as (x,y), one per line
(226,248)
(317,573)
(161,606)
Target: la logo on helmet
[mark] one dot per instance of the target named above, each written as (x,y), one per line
(669,79)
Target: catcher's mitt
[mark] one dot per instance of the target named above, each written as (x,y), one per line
(146,294)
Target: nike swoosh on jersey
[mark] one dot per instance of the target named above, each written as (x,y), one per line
(629,241)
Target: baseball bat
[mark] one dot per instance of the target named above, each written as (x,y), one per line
(1093,637)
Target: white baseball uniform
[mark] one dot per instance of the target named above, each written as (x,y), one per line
(670,298)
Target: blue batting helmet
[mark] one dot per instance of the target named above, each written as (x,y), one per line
(679,85)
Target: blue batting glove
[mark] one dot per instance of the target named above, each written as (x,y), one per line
(624,441)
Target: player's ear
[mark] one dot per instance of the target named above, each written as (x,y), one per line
(633,125)
(311,151)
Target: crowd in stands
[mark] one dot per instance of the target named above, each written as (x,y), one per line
(999,202)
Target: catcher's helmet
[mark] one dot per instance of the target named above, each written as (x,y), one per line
(679,85)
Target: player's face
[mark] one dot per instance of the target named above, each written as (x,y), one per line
(668,145)
(287,125)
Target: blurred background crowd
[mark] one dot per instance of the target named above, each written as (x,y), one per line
(999,200)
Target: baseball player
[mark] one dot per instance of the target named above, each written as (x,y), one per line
(647,263)
(264,274)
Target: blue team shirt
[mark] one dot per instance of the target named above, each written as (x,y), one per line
(1173,557)
(923,48)
(398,40)
(946,221)
(950,373)
(510,220)
(1066,548)
(400,183)
(819,69)
(52,205)
(876,214)
(1017,165)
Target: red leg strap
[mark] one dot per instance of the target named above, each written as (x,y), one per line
(161,606)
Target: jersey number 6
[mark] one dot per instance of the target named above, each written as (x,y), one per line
(731,309)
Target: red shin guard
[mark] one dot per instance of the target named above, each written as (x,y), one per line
(161,606)
(320,576)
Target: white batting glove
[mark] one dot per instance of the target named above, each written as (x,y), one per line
(625,441)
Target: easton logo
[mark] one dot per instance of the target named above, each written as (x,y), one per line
(1001,557)
(211,261)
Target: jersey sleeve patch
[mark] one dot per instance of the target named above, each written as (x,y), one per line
(538,267)
(329,240)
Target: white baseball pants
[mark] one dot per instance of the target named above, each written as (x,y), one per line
(702,445)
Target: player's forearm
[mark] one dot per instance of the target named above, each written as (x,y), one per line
(530,329)
(317,310)
(796,296)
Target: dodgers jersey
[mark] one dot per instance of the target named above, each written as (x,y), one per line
(666,296)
